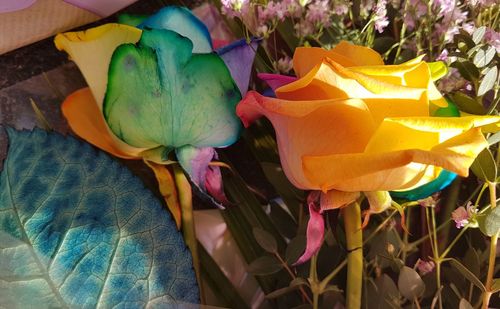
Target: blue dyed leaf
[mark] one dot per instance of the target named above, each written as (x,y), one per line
(78,230)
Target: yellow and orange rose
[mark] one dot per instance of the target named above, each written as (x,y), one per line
(351,123)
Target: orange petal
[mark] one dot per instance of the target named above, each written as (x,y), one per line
(311,128)
(348,55)
(393,170)
(86,120)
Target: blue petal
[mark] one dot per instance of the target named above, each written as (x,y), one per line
(238,57)
(182,21)
(438,184)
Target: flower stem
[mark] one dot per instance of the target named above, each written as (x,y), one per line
(493,246)
(354,237)
(313,280)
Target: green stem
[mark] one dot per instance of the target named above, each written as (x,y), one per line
(447,250)
(292,275)
(354,237)
(493,252)
(437,258)
(313,280)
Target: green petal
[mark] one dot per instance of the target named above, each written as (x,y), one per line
(160,94)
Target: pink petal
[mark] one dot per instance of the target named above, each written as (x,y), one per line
(276,80)
(102,8)
(214,185)
(315,233)
(207,179)
(219,43)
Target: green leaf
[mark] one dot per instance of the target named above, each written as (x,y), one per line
(264,265)
(484,166)
(465,38)
(265,240)
(280,292)
(489,221)
(478,34)
(467,69)
(331,288)
(410,284)
(468,104)
(438,69)
(295,249)
(77,229)
(464,304)
(483,57)
(489,80)
(299,281)
(283,220)
(467,274)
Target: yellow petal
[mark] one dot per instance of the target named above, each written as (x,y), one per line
(330,80)
(87,121)
(168,190)
(92,49)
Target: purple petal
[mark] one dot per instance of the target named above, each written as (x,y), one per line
(195,162)
(315,233)
(100,7)
(238,57)
(276,80)
(17,5)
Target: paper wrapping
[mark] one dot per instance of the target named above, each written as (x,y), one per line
(45,18)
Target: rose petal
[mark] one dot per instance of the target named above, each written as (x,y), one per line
(215,186)
(346,54)
(329,80)
(393,170)
(306,128)
(334,199)
(195,162)
(438,184)
(166,185)
(87,121)
(238,57)
(92,49)
(160,94)
(315,233)
(182,21)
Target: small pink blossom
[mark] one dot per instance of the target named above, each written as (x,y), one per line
(318,13)
(463,216)
(380,16)
(493,38)
(425,267)
(284,65)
